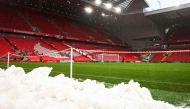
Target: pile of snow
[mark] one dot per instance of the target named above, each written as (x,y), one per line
(36,90)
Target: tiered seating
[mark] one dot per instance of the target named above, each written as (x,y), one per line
(48,59)
(10,19)
(172,57)
(26,44)
(179,46)
(77,56)
(152,47)
(182,35)
(83,55)
(77,30)
(107,36)
(89,31)
(21,18)
(87,46)
(169,35)
(26,19)
(47,52)
(39,21)
(175,38)
(57,45)
(178,34)
(81,59)
(158,57)
(75,33)
(5,47)
(97,47)
(66,26)
(36,48)
(178,57)
(130,57)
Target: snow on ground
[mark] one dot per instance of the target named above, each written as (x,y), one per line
(36,90)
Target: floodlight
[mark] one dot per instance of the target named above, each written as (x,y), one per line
(88,9)
(98,2)
(118,9)
(103,14)
(108,5)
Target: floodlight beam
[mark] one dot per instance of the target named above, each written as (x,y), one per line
(88,9)
(108,5)
(118,9)
(98,2)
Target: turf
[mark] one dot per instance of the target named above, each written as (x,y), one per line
(167,81)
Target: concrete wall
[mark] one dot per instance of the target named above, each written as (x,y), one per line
(128,34)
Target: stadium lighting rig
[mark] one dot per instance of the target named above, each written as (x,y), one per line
(88,9)
(105,15)
(98,2)
(116,6)
(118,9)
(108,5)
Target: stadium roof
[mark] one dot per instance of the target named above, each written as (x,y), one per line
(126,5)
(75,9)
(79,5)
(177,15)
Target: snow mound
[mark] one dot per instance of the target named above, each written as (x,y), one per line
(36,90)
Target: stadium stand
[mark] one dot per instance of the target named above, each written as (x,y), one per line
(43,24)
(64,25)
(178,57)
(170,56)
(178,34)
(158,57)
(179,46)
(56,45)
(89,31)
(130,57)
(5,47)
(109,37)
(34,48)
(10,19)
(27,19)
(95,51)
(21,43)
(51,24)
(38,33)
(177,38)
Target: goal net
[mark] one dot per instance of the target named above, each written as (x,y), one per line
(109,58)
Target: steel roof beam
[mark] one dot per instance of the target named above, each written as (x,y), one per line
(119,2)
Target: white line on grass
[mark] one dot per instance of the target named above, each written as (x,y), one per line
(121,78)
(134,79)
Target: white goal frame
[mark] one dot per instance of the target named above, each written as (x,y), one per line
(110,57)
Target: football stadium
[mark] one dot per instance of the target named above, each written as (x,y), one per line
(94,54)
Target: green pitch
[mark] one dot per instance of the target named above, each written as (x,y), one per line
(167,81)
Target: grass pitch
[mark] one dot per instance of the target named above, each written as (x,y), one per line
(169,82)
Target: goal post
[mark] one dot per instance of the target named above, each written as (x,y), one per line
(8,60)
(109,58)
(71,62)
